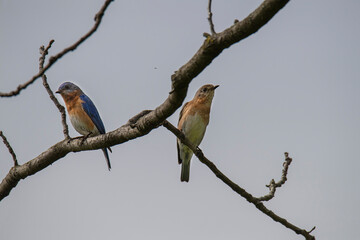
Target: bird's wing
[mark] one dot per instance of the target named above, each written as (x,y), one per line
(178,151)
(178,142)
(182,111)
(92,112)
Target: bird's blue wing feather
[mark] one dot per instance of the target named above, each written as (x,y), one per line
(92,112)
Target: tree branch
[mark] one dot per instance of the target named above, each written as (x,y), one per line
(53,59)
(241,191)
(212,28)
(181,79)
(272,185)
(214,45)
(44,52)
(11,151)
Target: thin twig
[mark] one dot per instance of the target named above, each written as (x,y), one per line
(273,185)
(212,28)
(44,52)
(11,151)
(312,229)
(242,192)
(180,81)
(53,59)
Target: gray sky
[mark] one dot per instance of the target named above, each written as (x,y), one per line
(293,86)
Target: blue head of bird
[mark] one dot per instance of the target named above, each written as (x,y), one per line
(68,89)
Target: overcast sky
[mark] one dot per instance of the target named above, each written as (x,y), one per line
(293,86)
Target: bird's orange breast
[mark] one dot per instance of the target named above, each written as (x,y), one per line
(79,118)
(195,108)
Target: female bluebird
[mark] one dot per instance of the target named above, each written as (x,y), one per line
(82,113)
(194,117)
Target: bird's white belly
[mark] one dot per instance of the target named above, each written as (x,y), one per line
(81,127)
(195,128)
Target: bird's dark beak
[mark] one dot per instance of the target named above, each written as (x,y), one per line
(215,87)
(58,91)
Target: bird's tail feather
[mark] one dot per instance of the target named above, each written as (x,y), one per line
(185,171)
(106,154)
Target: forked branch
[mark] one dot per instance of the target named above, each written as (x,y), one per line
(212,27)
(145,123)
(273,185)
(44,52)
(241,191)
(53,59)
(11,150)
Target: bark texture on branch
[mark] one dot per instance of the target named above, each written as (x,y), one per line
(241,191)
(211,48)
(98,17)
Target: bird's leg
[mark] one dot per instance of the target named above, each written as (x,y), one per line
(85,137)
(82,137)
(70,139)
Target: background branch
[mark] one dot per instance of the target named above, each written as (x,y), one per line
(272,185)
(44,52)
(273,95)
(212,28)
(11,151)
(241,191)
(181,79)
(53,59)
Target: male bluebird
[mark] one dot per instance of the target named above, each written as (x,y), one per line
(194,117)
(82,113)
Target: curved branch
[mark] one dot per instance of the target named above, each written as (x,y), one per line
(241,191)
(274,185)
(181,79)
(212,27)
(11,150)
(44,52)
(53,59)
(211,48)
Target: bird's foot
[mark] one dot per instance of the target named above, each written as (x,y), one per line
(70,139)
(85,137)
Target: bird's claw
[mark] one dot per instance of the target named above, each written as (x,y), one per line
(85,137)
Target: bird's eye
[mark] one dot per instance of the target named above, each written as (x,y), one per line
(66,87)
(204,89)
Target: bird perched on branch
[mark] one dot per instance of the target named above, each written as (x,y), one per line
(82,113)
(194,117)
